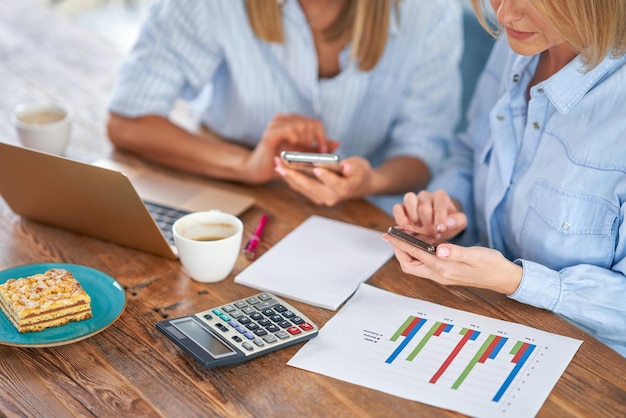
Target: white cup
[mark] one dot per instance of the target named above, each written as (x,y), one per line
(43,126)
(208,244)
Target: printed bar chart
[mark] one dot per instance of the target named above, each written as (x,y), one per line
(489,350)
(479,366)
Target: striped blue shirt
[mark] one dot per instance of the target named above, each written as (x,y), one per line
(204,51)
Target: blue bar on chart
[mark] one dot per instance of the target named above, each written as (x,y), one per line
(522,352)
(409,328)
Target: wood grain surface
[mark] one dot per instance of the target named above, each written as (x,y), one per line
(130,369)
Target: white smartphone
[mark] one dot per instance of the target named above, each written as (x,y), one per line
(306,161)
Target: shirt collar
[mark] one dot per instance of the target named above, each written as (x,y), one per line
(567,87)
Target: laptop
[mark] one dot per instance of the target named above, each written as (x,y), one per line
(131,206)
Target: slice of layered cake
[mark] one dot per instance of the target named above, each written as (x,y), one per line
(44,300)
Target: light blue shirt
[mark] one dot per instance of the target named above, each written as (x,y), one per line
(544,182)
(408,105)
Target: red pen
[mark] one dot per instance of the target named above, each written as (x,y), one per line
(250,248)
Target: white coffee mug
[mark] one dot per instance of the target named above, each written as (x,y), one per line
(208,244)
(43,126)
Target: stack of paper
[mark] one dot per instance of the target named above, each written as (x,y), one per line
(321,262)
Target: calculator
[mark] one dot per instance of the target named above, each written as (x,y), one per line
(239,331)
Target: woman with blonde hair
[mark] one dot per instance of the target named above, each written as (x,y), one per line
(540,175)
(375,81)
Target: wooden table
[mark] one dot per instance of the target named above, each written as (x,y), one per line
(130,369)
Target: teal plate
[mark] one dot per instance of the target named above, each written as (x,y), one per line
(107,304)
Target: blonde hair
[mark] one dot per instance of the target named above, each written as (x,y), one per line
(593,28)
(364,23)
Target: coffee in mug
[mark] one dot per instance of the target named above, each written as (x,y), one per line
(208,244)
(43,126)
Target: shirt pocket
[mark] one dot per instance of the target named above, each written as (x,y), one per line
(563,228)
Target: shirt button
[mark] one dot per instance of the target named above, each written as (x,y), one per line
(516,78)
(565,226)
(500,116)
(536,125)
(540,90)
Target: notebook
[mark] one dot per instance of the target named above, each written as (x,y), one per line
(321,262)
(106,200)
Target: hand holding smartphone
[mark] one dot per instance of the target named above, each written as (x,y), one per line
(306,161)
(421,241)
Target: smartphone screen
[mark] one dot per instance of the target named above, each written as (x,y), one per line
(421,241)
(306,161)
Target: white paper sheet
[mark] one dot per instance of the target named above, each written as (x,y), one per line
(432,354)
(321,262)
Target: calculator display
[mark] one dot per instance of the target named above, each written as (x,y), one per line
(203,338)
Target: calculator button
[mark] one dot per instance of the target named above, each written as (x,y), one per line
(268,312)
(293,330)
(297,320)
(281,334)
(237,339)
(258,342)
(236,314)
(276,318)
(225,317)
(221,327)
(244,320)
(264,322)
(241,304)
(253,300)
(217,311)
(247,346)
(288,314)
(284,324)
(207,317)
(256,316)
(241,329)
(252,326)
(228,308)
(306,326)
(248,335)
(264,296)
(269,338)
(248,310)
(272,328)
(265,304)
(260,332)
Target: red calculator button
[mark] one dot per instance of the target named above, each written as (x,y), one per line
(293,330)
(306,326)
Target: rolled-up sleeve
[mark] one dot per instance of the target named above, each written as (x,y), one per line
(175,56)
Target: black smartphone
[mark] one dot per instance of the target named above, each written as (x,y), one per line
(424,242)
(306,161)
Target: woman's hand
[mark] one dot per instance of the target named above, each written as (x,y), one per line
(327,187)
(291,132)
(435,214)
(460,266)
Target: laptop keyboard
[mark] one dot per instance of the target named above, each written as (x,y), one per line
(165,217)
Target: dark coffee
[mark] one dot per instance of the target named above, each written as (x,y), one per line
(213,232)
(210,238)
